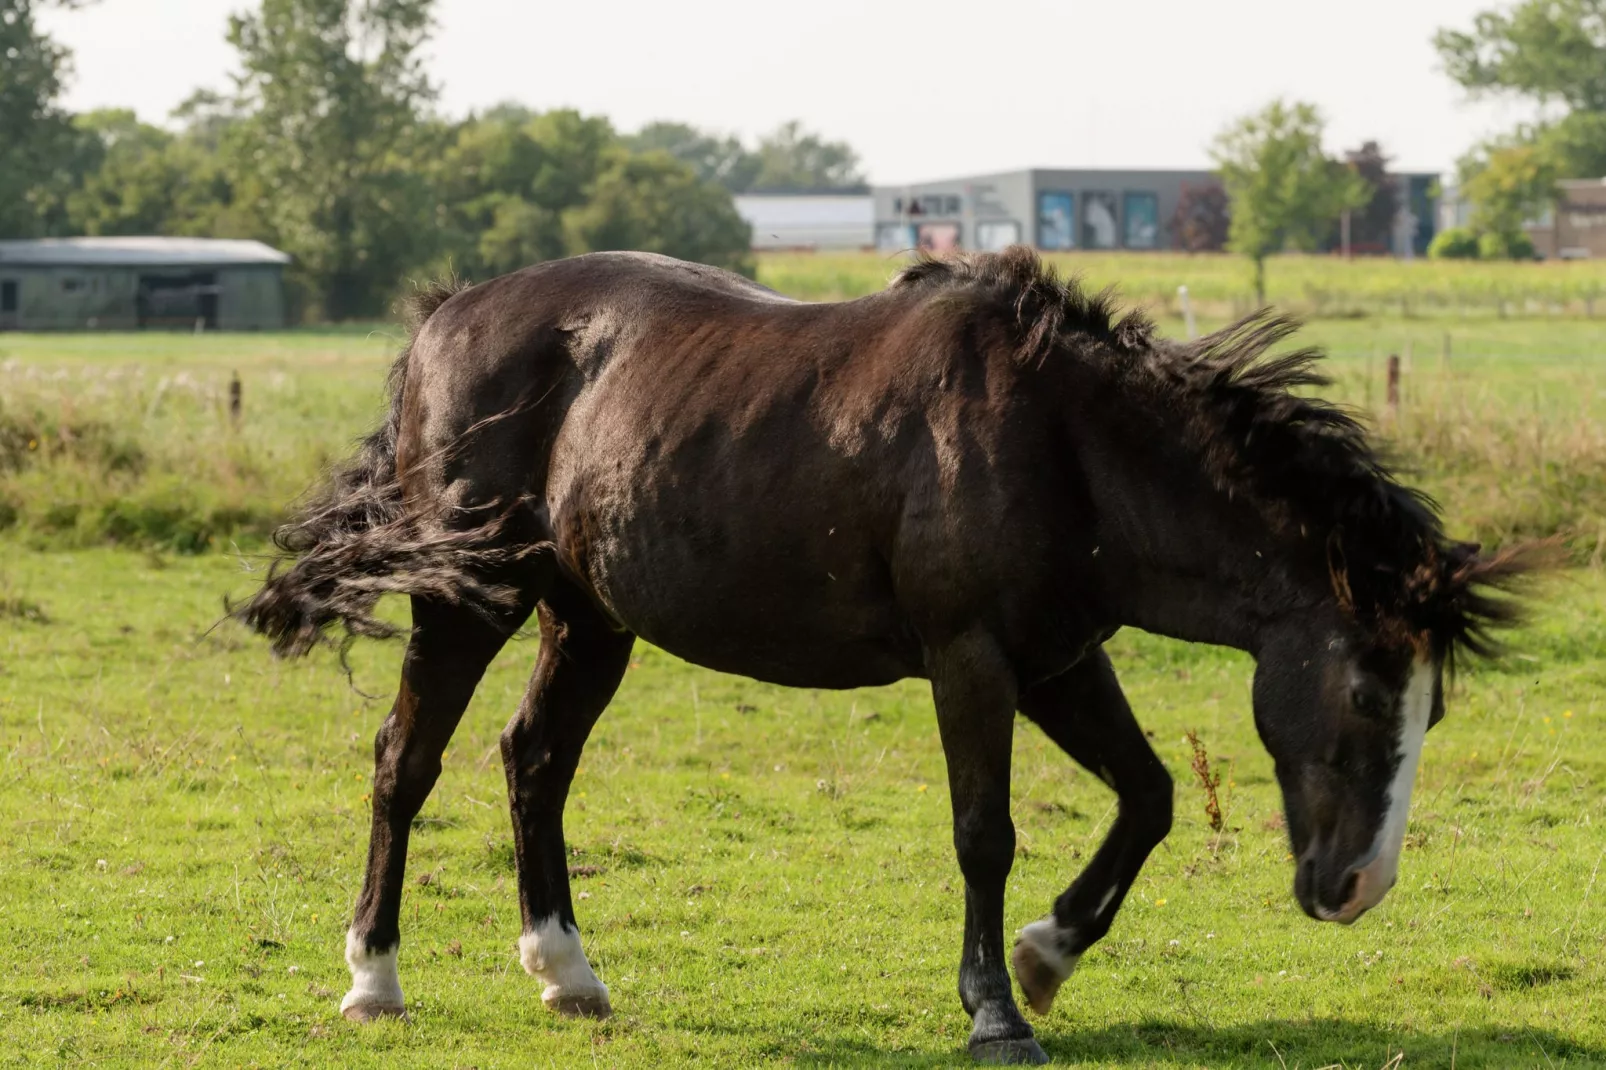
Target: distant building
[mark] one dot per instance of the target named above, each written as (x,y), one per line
(1575,229)
(1090,209)
(809,220)
(127,283)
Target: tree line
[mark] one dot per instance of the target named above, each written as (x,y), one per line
(328,146)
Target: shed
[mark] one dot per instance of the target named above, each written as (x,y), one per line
(131,283)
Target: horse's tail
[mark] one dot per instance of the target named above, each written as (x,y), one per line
(356,540)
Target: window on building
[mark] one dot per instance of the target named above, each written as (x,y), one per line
(1056,220)
(8,295)
(1099,229)
(895,237)
(71,284)
(1140,211)
(938,237)
(997,234)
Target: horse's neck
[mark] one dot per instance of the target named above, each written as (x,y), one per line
(1187,560)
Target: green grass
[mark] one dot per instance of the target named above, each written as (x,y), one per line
(185,820)
(126,439)
(1325,286)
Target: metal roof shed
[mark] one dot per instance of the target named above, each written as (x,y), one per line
(131,283)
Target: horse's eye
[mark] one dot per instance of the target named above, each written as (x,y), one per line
(1367,700)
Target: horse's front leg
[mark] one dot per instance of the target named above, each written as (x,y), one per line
(1084,711)
(975,692)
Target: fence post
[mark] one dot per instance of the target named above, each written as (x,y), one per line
(234,396)
(1394,386)
(1187,312)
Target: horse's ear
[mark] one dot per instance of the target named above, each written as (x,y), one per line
(1338,570)
(1459,554)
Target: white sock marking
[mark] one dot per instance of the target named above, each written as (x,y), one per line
(374,980)
(553,955)
(1046,938)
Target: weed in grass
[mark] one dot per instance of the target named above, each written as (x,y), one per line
(1209,781)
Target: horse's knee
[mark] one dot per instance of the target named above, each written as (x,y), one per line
(1152,808)
(984,840)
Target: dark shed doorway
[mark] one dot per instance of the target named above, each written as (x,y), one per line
(179,300)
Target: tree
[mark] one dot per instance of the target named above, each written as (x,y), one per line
(1547,50)
(34,132)
(794,158)
(1284,190)
(1372,223)
(1550,52)
(654,202)
(141,179)
(1201,221)
(724,160)
(504,181)
(1507,185)
(331,93)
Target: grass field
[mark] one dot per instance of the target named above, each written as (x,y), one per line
(769,871)
(1325,286)
(767,876)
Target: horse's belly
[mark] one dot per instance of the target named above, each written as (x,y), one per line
(748,595)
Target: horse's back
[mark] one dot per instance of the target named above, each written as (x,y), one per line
(759,485)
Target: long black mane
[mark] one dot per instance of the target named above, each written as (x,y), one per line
(1310,466)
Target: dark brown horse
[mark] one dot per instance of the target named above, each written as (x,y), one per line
(974,477)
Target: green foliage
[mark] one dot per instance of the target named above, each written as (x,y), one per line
(794,158)
(1547,50)
(789,157)
(724,160)
(1493,245)
(1454,243)
(655,203)
(1508,185)
(1285,191)
(331,92)
(35,136)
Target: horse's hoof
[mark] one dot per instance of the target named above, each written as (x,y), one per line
(578,1004)
(1039,980)
(373,1012)
(1020,1051)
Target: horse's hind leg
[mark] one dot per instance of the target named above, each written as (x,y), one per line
(447,653)
(1084,711)
(582,659)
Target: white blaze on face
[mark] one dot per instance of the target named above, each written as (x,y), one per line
(552,953)
(375,984)
(1377,876)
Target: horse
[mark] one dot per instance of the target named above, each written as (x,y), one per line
(975,476)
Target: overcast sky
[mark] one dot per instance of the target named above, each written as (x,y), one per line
(922,88)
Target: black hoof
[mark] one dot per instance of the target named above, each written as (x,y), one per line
(1021,1051)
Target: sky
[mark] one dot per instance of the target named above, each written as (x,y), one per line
(922,89)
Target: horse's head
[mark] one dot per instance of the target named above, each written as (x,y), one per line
(1344,717)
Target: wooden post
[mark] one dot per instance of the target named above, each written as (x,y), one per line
(1394,386)
(234,397)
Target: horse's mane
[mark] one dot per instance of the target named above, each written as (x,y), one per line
(1308,465)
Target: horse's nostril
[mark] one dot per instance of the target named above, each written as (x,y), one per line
(1351,879)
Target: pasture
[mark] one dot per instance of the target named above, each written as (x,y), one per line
(764,876)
